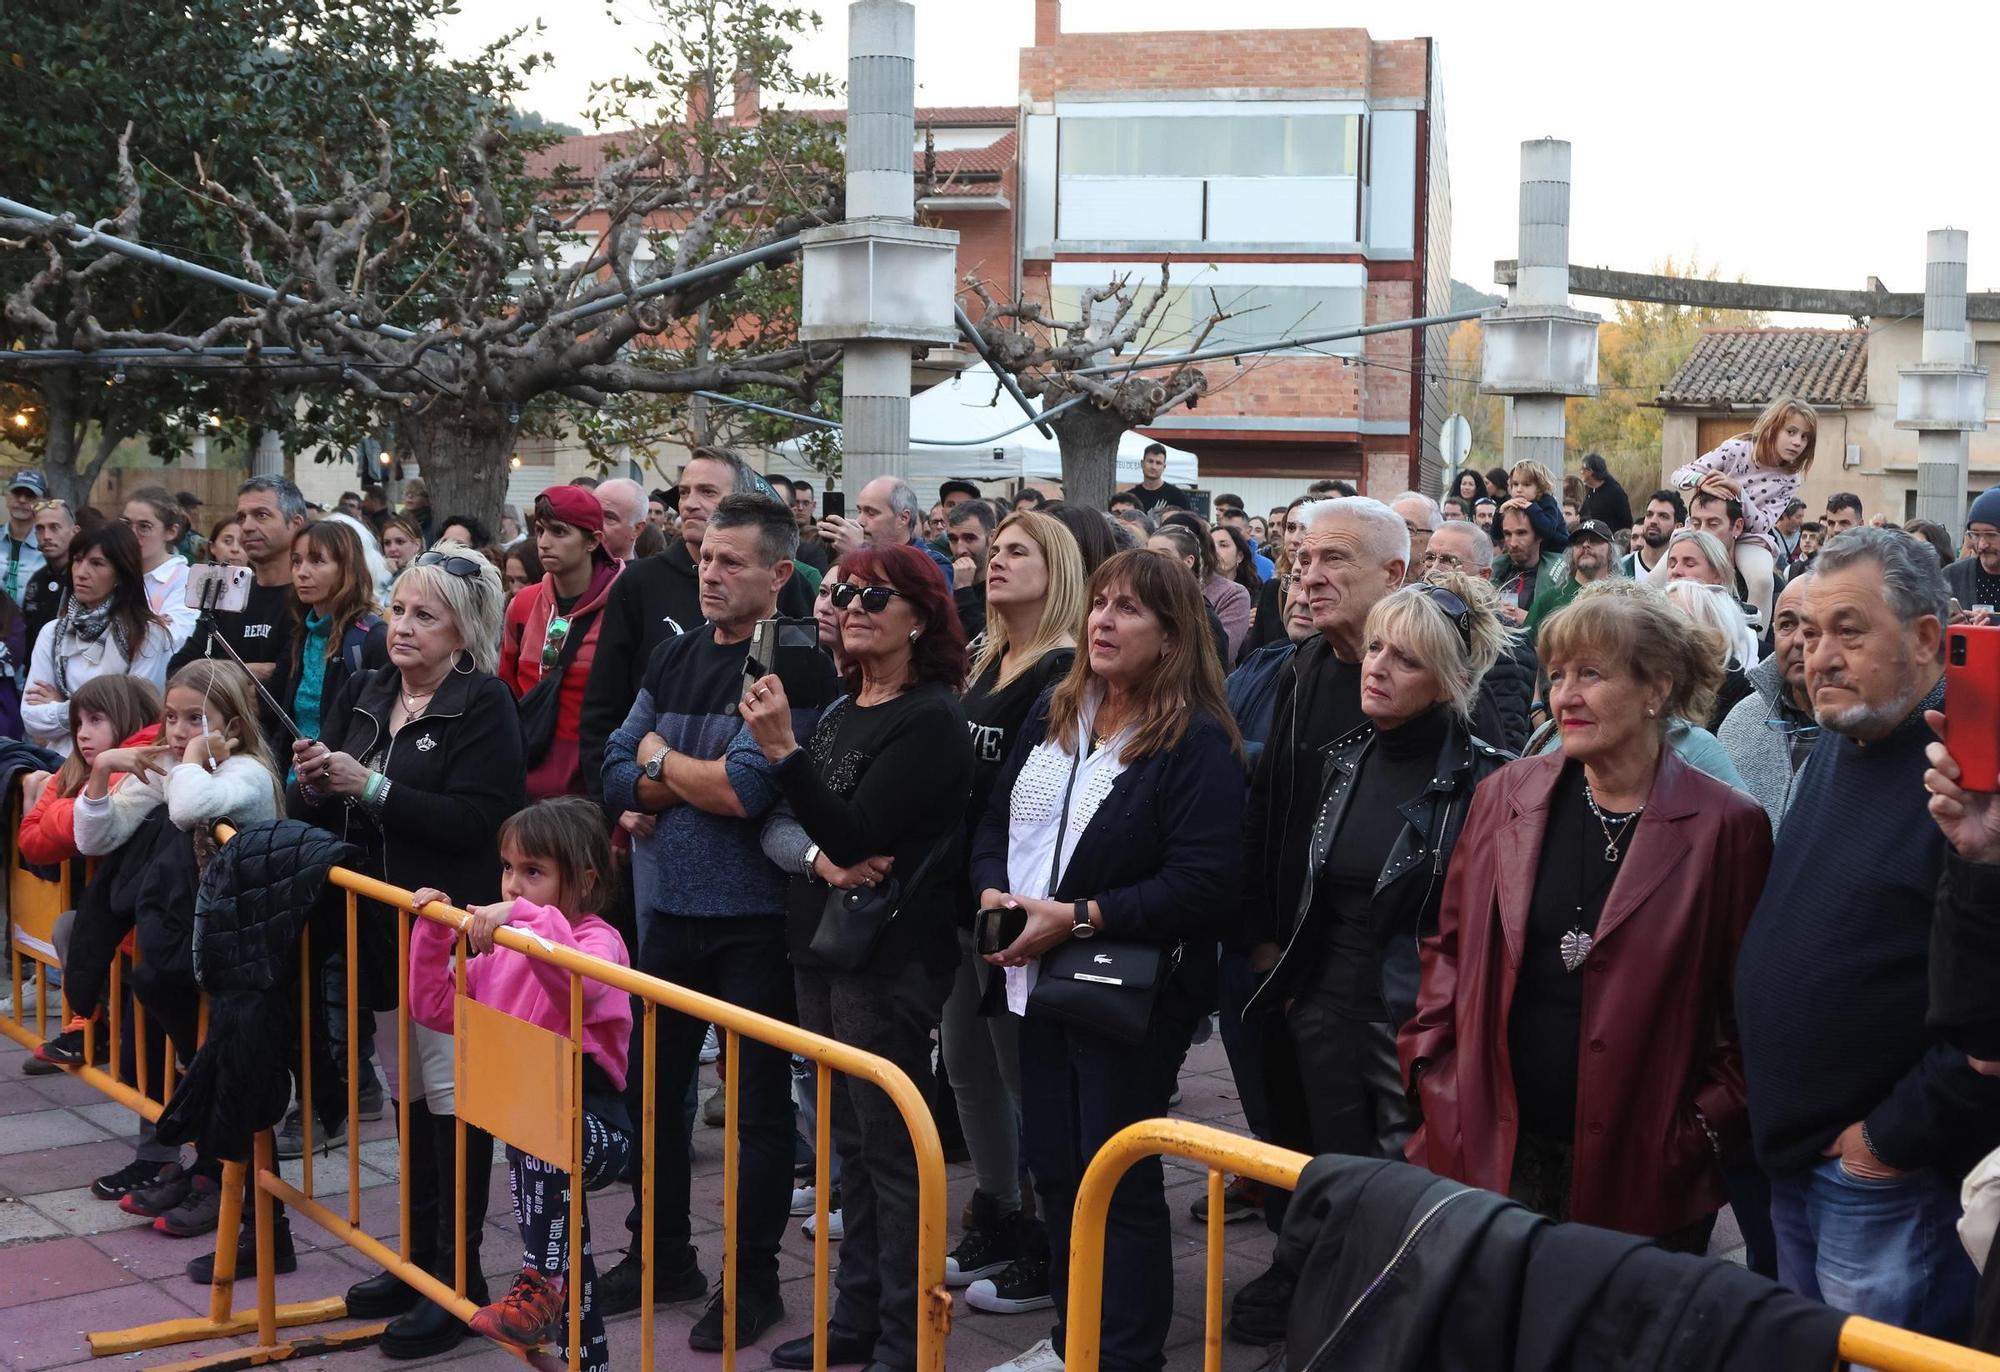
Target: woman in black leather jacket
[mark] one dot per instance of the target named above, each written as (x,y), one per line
(1393,795)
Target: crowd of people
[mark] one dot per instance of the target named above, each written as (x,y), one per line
(1610,859)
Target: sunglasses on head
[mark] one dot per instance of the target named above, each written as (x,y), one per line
(1454,609)
(874,599)
(453,564)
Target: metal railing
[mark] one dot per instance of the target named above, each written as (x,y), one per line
(1863,1341)
(524,1085)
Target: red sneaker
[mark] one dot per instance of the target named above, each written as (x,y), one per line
(529,1315)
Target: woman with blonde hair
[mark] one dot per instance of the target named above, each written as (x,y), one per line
(1575,1043)
(1717,610)
(1761,467)
(1034,608)
(1115,838)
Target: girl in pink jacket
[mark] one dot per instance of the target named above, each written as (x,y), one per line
(553,857)
(1760,469)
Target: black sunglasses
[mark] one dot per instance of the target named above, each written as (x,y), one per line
(453,564)
(1454,609)
(874,599)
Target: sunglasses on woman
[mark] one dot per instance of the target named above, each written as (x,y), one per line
(1455,610)
(453,564)
(874,599)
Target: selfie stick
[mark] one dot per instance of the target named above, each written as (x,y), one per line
(210,591)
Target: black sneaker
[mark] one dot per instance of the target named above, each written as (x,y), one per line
(618,1288)
(133,1176)
(201,1269)
(1257,1316)
(1022,1287)
(1242,1199)
(756,1311)
(66,1048)
(992,1241)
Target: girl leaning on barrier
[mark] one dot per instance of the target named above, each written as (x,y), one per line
(1115,839)
(879,789)
(418,764)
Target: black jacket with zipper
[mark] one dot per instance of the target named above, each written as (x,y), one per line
(456,772)
(654,599)
(1411,885)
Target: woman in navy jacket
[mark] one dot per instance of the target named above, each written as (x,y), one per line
(1120,814)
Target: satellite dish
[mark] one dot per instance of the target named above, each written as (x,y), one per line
(1455,441)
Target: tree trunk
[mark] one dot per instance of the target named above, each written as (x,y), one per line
(1088,438)
(463,454)
(69,473)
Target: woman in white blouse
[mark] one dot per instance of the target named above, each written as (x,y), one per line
(106,626)
(158,522)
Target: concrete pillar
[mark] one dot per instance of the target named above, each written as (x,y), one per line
(881,184)
(1943,396)
(1538,350)
(269,458)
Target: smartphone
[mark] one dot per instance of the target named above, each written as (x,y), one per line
(212,586)
(833,503)
(763,652)
(1972,704)
(994,930)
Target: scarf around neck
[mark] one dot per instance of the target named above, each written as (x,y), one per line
(85,626)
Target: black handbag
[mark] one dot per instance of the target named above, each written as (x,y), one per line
(852,922)
(1106,985)
(540,709)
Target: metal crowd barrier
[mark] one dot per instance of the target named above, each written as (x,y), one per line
(33,906)
(524,1085)
(1862,1341)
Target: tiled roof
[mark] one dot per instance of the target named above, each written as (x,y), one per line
(1752,366)
(587,151)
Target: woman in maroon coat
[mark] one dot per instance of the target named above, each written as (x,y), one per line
(1574,1043)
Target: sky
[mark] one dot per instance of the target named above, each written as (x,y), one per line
(1765,141)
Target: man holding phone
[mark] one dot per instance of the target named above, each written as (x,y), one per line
(1975,579)
(716,924)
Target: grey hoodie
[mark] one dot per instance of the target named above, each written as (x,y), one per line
(1762,754)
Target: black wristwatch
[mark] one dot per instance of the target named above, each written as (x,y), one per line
(1083,928)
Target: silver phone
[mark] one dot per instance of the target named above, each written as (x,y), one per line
(212,586)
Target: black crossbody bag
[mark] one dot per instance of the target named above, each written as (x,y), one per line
(1106,985)
(852,922)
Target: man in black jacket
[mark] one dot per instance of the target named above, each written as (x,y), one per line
(55,526)
(1351,555)
(1604,498)
(969,529)
(658,598)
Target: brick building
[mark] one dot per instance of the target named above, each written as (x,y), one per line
(1294,177)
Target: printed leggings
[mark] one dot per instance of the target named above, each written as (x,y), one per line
(541,1209)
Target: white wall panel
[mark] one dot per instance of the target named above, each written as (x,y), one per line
(1036,187)
(1130,208)
(1288,209)
(1392,181)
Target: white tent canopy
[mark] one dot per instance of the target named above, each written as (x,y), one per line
(965,408)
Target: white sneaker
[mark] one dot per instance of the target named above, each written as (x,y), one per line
(711,1047)
(1041,1358)
(803,1200)
(29,997)
(835,1229)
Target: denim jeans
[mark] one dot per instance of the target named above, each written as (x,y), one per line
(740,959)
(1888,1250)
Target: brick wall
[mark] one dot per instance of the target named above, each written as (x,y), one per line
(1291,59)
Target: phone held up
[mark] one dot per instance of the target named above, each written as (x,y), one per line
(771,640)
(995,929)
(212,586)
(1972,704)
(833,503)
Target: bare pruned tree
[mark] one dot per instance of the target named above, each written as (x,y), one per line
(1071,365)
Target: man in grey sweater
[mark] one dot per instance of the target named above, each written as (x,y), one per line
(1771,732)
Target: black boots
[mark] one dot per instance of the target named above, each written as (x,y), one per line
(429,1329)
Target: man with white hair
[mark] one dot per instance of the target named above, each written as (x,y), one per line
(624,502)
(885,514)
(1421,516)
(1352,552)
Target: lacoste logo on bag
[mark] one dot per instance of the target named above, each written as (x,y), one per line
(426,743)
(1104,958)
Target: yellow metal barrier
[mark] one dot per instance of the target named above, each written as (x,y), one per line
(33,906)
(1862,1341)
(523,1084)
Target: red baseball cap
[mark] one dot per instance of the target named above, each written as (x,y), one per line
(574,506)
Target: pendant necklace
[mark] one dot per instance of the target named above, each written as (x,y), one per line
(1576,944)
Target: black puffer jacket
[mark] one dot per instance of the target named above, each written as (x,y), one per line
(259,891)
(1507,696)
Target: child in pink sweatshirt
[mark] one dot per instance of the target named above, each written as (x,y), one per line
(553,857)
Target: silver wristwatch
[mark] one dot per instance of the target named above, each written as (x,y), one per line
(651,767)
(812,856)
